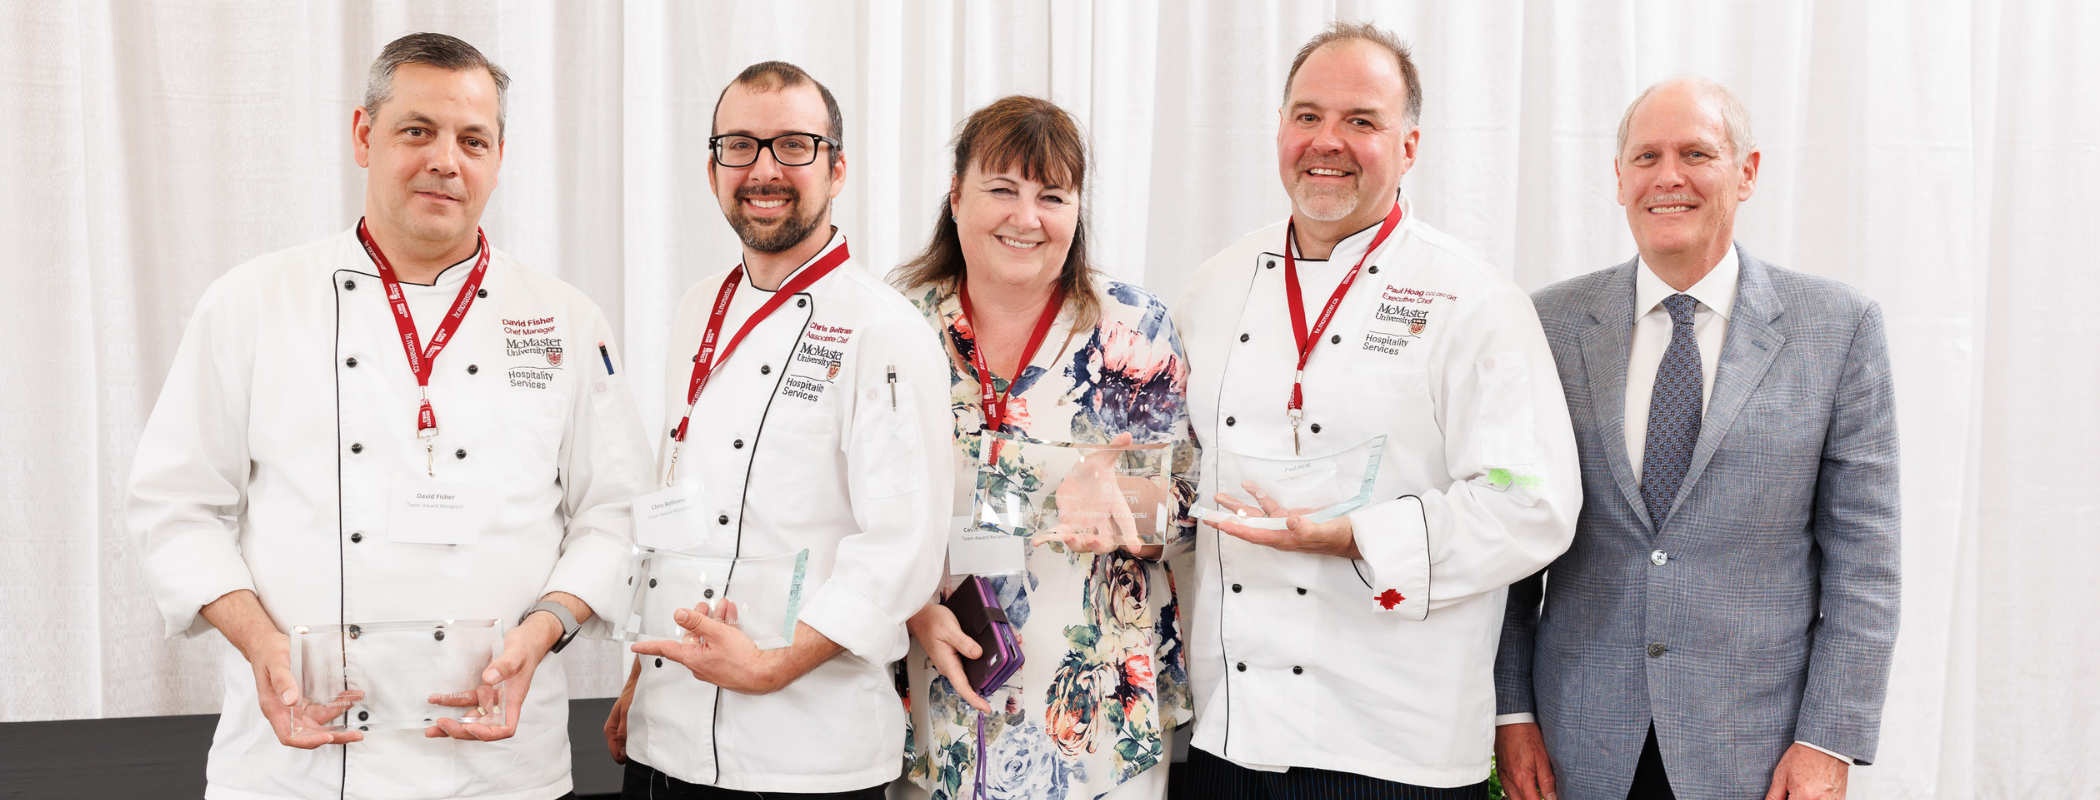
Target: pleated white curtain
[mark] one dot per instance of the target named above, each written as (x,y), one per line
(1939,155)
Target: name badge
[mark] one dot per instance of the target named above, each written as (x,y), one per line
(424,511)
(670,519)
(982,552)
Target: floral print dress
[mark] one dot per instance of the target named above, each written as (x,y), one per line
(1103,682)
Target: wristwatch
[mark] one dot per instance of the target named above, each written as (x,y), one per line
(560,612)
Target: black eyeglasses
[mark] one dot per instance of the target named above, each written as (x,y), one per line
(790,149)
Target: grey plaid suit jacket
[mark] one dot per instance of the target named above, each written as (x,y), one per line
(1777,603)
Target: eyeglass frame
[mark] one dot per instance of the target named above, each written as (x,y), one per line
(714,147)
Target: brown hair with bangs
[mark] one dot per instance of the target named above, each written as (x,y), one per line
(1045,142)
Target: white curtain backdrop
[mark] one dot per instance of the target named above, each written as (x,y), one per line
(1942,156)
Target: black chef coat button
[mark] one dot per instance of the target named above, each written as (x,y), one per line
(709,594)
(363,715)
(1335,339)
(659,663)
(356,537)
(738,444)
(722,520)
(356,448)
(652,583)
(1243,666)
(695,359)
(1270,265)
(350,362)
(1229,421)
(1374,269)
(801,302)
(349,286)
(439,635)
(472,369)
(481,293)
(765,369)
(1297,670)
(1301,590)
(1235,588)
(1316,427)
(1243,337)
(460,453)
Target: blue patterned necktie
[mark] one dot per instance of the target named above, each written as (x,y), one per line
(1673,413)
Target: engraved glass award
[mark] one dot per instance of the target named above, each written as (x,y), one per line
(1042,489)
(760,595)
(372,676)
(1318,488)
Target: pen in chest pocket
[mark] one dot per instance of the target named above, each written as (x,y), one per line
(893,387)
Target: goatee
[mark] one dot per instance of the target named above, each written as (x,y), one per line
(791,230)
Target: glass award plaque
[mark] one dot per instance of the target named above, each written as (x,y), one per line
(1318,488)
(373,676)
(1042,489)
(760,595)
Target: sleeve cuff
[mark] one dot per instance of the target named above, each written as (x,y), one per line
(191,571)
(1522,717)
(591,568)
(1824,750)
(847,618)
(1393,539)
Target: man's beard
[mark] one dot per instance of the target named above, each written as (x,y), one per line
(791,230)
(1324,204)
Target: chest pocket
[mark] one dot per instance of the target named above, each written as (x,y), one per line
(533,421)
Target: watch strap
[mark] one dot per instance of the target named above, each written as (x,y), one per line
(569,626)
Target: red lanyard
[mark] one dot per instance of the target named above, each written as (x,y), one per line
(993,403)
(704,363)
(420,359)
(1309,339)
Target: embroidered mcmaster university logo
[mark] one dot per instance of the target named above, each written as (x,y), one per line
(1390,598)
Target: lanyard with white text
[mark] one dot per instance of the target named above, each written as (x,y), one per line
(420,358)
(993,403)
(709,356)
(1309,339)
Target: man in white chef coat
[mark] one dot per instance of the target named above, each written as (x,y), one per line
(320,390)
(818,420)
(1355,655)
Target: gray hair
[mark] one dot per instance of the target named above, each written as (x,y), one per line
(436,50)
(1369,34)
(1734,117)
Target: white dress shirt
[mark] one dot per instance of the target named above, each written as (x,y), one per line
(1381,666)
(1651,338)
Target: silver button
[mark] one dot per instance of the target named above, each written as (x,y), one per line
(1657,650)
(1659,558)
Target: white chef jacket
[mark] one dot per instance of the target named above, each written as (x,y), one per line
(269,460)
(798,446)
(1385,666)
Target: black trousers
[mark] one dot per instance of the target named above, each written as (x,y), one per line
(644,782)
(1650,782)
(1212,778)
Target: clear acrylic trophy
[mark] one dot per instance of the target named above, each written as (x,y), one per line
(760,595)
(1318,488)
(1042,489)
(373,676)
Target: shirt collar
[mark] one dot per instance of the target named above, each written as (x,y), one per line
(1352,248)
(1716,291)
(838,237)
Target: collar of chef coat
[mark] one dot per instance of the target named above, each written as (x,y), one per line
(1716,291)
(449,276)
(1348,250)
(837,237)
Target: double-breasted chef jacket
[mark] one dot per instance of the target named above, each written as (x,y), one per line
(798,444)
(269,460)
(1384,666)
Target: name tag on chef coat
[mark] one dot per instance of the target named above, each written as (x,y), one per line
(981,552)
(425,511)
(670,518)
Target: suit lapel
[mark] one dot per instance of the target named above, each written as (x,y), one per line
(1606,346)
(1746,354)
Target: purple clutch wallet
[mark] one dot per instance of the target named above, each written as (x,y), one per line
(977,608)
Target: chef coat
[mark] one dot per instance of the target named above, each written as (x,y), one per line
(270,458)
(798,445)
(1381,666)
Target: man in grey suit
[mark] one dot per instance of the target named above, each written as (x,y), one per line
(1722,625)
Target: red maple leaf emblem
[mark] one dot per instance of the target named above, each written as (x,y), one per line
(1391,598)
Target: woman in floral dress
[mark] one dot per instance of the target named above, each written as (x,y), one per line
(1102,685)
